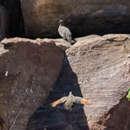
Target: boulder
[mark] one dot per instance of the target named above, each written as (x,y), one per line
(102,68)
(82,17)
(98,70)
(61,43)
(28,69)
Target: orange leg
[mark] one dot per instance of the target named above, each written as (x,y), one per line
(55,102)
(83,101)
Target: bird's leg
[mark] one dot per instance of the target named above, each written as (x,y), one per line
(84,101)
(61,100)
(55,103)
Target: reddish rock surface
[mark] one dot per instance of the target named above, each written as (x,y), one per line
(28,69)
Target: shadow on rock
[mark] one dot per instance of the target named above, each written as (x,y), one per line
(57,118)
(119,116)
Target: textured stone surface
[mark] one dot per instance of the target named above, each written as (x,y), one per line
(98,70)
(28,69)
(81,16)
(59,42)
(102,67)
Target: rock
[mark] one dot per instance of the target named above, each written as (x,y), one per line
(103,76)
(59,42)
(87,39)
(82,17)
(28,69)
(62,44)
(98,71)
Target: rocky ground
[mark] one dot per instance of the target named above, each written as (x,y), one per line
(34,73)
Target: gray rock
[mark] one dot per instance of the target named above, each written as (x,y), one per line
(102,69)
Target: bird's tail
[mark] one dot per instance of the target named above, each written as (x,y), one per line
(73,41)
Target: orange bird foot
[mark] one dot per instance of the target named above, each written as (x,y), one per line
(55,103)
(83,101)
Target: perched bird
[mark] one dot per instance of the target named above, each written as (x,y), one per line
(69,101)
(65,33)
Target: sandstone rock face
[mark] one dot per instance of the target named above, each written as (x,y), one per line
(28,69)
(98,69)
(61,43)
(86,16)
(102,67)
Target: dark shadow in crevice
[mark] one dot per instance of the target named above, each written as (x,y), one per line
(118,117)
(57,118)
(86,24)
(16,23)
